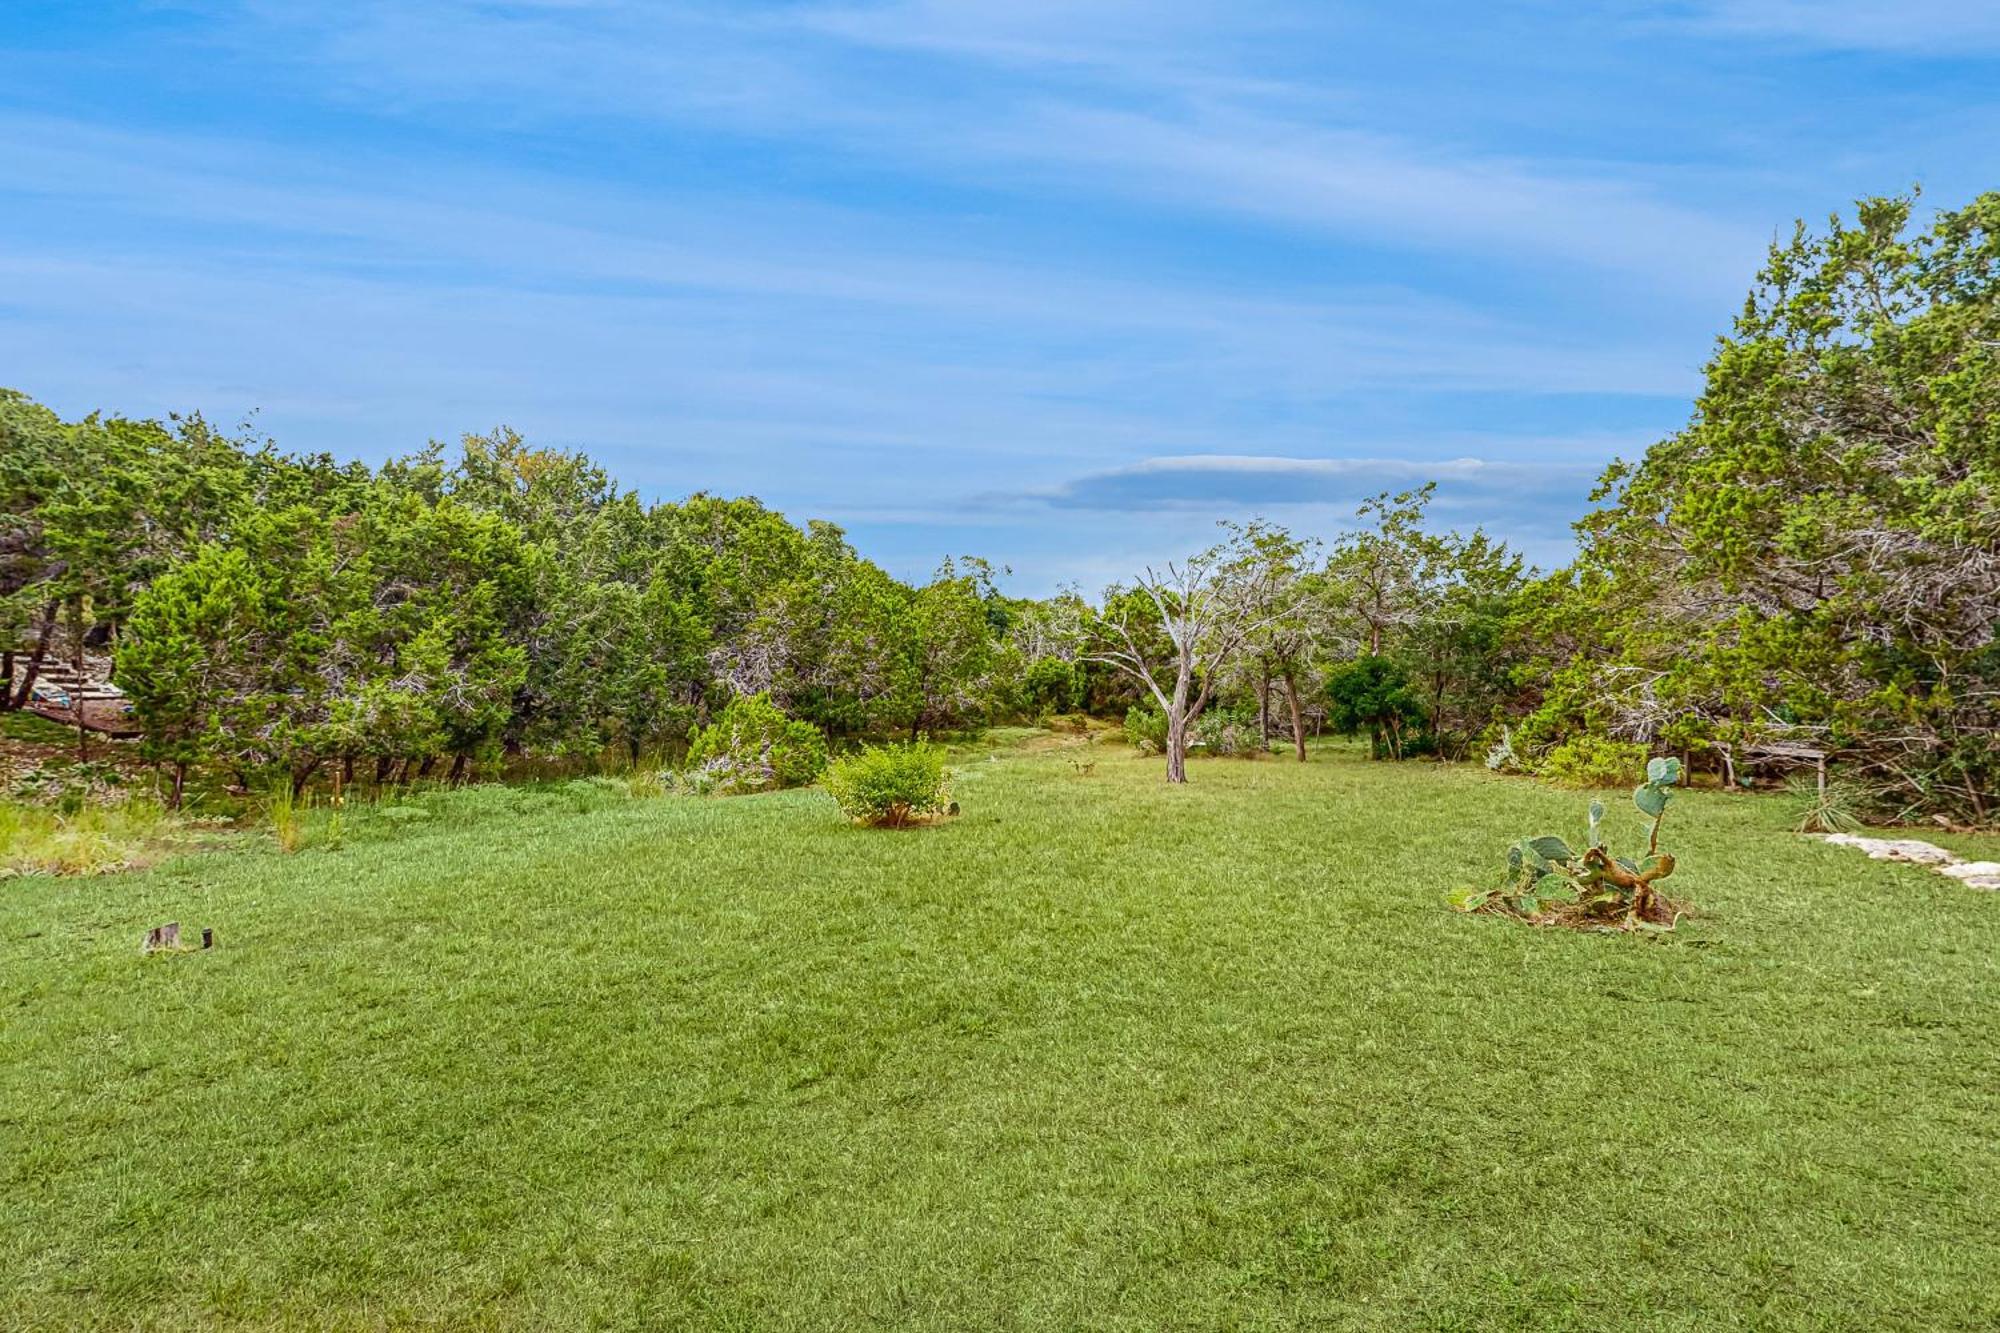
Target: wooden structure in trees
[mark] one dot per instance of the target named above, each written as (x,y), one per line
(62,694)
(1789,753)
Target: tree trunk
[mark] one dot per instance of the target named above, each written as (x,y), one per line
(180,784)
(1264,707)
(6,679)
(1298,726)
(424,769)
(301,776)
(35,655)
(383,763)
(458,762)
(1177,730)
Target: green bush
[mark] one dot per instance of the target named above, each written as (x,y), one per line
(1228,732)
(1373,694)
(1050,686)
(892,786)
(1592,761)
(753,746)
(1146,727)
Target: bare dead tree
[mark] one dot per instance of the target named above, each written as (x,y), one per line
(1207,607)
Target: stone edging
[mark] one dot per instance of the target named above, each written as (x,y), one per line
(1973,874)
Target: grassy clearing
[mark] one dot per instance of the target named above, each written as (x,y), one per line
(1096,1054)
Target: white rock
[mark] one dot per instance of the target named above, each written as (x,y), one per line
(1895,849)
(1972,874)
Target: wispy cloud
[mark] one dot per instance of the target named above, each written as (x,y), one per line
(1107,98)
(1950,28)
(824,307)
(1132,264)
(1236,481)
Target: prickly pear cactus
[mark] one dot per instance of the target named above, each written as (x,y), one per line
(1551,884)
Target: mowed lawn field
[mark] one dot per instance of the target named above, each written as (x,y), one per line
(1099,1054)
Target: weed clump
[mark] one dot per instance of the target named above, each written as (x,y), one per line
(87,840)
(1833,807)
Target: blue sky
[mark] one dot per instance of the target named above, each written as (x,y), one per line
(1055,283)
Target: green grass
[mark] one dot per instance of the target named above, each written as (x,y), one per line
(1098,1054)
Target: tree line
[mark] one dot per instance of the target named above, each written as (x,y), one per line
(271,613)
(1814,561)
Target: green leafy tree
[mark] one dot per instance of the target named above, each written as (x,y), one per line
(1816,557)
(183,663)
(1371,693)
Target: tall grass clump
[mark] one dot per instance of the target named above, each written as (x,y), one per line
(91,840)
(285,812)
(892,786)
(1835,808)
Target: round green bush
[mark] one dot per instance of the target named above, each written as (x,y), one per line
(892,786)
(753,746)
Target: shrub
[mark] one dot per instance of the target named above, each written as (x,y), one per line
(1372,694)
(892,786)
(1592,761)
(1146,727)
(1228,732)
(753,746)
